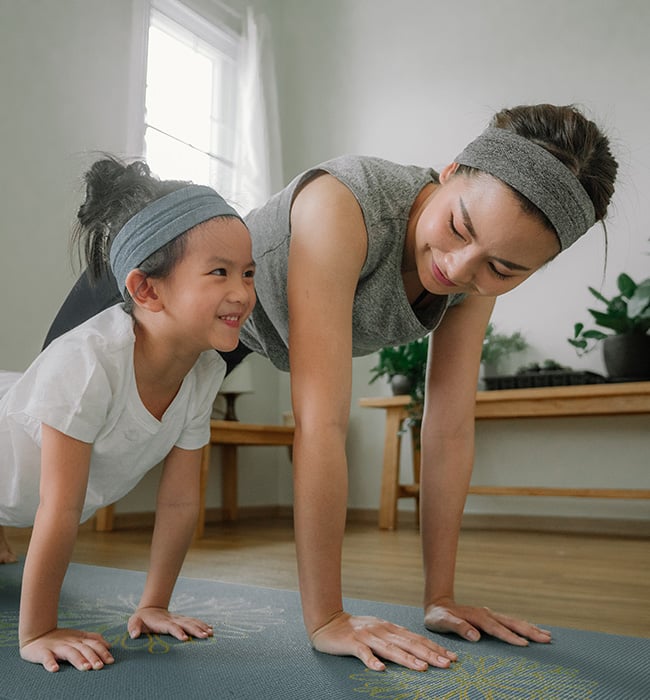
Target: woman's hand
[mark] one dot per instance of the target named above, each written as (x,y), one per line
(363,637)
(161,621)
(466,621)
(86,651)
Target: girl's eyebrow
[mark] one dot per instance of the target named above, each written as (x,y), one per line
(467,221)
(217,260)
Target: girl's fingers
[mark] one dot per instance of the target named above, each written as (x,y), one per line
(100,647)
(49,662)
(159,621)
(196,628)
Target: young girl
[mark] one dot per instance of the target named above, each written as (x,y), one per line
(129,388)
(359,253)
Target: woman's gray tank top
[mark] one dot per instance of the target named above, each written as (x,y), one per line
(381,315)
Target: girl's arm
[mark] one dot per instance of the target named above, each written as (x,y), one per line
(64,478)
(177,511)
(447,460)
(328,249)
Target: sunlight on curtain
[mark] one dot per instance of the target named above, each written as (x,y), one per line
(257,142)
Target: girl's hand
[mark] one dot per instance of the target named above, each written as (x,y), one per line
(161,621)
(86,651)
(466,621)
(364,637)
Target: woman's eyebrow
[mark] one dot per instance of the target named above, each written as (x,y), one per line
(467,221)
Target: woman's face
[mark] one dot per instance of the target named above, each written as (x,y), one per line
(473,237)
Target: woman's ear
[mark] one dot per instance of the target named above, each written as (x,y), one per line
(143,290)
(447,172)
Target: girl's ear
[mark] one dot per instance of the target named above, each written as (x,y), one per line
(447,172)
(143,290)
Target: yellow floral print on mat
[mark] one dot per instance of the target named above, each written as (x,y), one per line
(478,678)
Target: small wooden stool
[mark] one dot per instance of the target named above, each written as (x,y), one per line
(229,435)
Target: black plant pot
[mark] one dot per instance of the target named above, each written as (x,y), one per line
(627,356)
(400,384)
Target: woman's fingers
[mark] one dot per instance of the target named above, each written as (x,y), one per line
(440,618)
(373,640)
(512,627)
(468,622)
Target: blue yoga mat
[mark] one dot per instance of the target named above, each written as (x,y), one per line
(260,651)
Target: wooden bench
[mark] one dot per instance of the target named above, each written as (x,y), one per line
(229,435)
(588,400)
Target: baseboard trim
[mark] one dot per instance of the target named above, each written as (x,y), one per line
(538,523)
(471,521)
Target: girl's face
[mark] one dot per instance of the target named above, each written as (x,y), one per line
(210,292)
(473,237)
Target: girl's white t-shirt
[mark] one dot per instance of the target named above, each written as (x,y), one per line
(83,384)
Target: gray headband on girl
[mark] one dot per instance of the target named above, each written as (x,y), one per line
(536,174)
(161,222)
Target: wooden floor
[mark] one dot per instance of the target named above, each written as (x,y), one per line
(584,581)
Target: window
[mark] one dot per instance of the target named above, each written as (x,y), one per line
(191,98)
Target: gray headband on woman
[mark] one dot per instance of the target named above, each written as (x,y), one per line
(536,174)
(161,222)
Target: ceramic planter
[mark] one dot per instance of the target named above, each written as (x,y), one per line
(400,384)
(627,356)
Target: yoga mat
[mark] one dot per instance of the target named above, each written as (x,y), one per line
(260,651)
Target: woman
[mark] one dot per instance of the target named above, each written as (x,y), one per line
(360,253)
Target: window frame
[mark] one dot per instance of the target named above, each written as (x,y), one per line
(221,38)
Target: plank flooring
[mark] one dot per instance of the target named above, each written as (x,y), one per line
(592,582)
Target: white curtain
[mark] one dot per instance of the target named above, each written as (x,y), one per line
(258,171)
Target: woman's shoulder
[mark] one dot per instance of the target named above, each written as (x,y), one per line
(382,186)
(367,172)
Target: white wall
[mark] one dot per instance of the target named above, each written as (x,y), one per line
(64,90)
(412,81)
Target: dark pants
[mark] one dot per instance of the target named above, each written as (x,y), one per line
(88,298)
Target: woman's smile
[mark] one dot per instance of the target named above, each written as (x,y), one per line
(437,273)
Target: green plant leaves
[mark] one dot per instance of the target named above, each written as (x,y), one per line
(628,312)
(626,285)
(639,303)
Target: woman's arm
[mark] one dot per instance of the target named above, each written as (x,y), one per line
(328,249)
(64,477)
(447,461)
(177,509)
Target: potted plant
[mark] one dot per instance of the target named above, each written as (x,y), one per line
(496,346)
(626,322)
(404,366)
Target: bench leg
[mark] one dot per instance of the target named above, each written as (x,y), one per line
(229,481)
(415,445)
(390,473)
(203,485)
(104,519)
